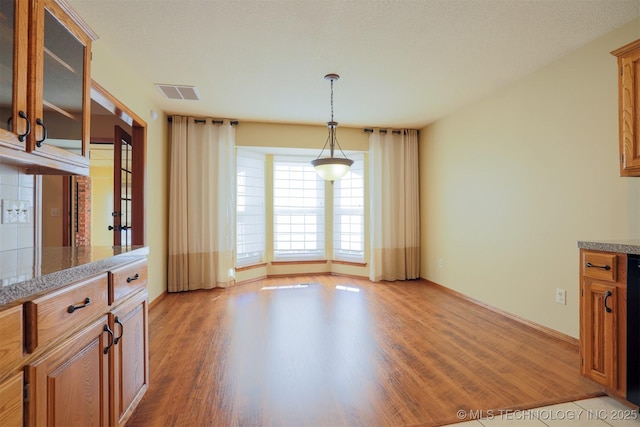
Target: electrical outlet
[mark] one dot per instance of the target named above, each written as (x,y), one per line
(561,296)
(440,262)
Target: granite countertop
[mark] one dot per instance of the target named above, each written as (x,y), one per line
(28,272)
(631,246)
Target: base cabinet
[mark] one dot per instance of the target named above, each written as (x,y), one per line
(603,319)
(85,359)
(129,358)
(600,350)
(69,385)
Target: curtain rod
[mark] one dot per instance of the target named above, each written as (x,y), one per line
(215,122)
(369,130)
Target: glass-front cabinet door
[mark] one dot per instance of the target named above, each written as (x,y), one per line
(14,120)
(45,51)
(61,92)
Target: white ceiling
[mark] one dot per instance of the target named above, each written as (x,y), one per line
(402,63)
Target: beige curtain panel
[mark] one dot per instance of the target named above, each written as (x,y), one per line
(201,205)
(395,205)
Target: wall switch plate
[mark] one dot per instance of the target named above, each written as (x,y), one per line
(15,212)
(561,296)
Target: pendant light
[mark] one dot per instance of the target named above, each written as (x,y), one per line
(332,168)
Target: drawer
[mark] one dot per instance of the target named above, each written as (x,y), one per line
(10,338)
(125,280)
(60,312)
(598,265)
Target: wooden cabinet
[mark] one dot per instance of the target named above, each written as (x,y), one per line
(629,107)
(603,319)
(45,96)
(78,356)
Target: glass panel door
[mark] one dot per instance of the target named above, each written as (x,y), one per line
(7,29)
(63,72)
(123,175)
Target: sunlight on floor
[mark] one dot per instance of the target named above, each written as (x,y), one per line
(599,411)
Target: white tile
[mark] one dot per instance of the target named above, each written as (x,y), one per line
(611,411)
(8,262)
(568,414)
(26,181)
(26,194)
(8,237)
(9,177)
(467,424)
(9,192)
(25,236)
(26,258)
(522,418)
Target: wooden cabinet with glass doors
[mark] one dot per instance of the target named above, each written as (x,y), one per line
(45,53)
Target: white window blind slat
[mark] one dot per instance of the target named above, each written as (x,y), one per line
(250,208)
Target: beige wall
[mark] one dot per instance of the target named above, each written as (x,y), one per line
(510,184)
(137,95)
(101,205)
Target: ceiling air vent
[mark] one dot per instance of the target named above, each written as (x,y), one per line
(179,92)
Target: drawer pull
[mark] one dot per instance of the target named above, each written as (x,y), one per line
(117,320)
(111,341)
(23,136)
(604,267)
(73,308)
(44,133)
(606,297)
(131,279)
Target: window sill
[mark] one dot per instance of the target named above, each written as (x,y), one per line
(251,267)
(352,263)
(306,261)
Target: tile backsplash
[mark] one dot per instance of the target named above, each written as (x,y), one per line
(16,186)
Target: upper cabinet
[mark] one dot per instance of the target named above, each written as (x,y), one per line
(629,107)
(45,86)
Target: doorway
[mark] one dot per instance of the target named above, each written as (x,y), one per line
(118,172)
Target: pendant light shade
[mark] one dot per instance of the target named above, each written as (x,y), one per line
(332,168)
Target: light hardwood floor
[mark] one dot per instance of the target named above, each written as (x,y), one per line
(341,351)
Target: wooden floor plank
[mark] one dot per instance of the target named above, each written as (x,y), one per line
(390,354)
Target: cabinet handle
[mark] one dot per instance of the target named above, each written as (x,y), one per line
(606,297)
(131,279)
(22,137)
(604,267)
(44,132)
(117,320)
(110,332)
(73,308)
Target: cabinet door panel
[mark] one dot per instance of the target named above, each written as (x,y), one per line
(69,385)
(11,401)
(599,344)
(130,357)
